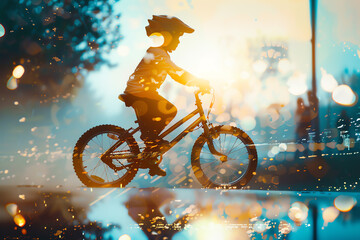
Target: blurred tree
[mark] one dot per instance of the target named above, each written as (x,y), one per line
(57,42)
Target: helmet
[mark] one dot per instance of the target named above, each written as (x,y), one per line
(170,24)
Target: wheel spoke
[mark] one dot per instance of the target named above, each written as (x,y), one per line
(230,172)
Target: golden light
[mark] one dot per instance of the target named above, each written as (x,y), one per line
(209,230)
(19,220)
(298,212)
(284,65)
(11,208)
(344,203)
(330,214)
(2,30)
(18,71)
(157,39)
(297,84)
(328,82)
(125,237)
(12,83)
(344,95)
(260,66)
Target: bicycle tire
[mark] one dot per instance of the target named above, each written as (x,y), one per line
(79,157)
(199,161)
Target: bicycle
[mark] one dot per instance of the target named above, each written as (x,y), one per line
(222,156)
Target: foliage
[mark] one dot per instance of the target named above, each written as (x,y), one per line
(57,42)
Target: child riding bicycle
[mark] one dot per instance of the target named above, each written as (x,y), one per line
(153,111)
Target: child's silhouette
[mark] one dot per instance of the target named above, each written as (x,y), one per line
(152,110)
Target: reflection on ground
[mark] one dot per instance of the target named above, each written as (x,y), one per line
(160,213)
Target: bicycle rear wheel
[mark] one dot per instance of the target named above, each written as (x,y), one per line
(91,170)
(241,162)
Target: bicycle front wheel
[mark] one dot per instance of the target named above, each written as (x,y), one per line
(94,172)
(241,162)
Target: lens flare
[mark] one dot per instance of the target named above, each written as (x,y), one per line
(19,220)
(344,95)
(330,214)
(344,203)
(18,71)
(328,82)
(157,39)
(2,30)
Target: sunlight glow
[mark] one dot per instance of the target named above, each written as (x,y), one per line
(123,50)
(157,39)
(344,95)
(208,230)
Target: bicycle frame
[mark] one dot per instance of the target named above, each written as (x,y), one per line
(190,128)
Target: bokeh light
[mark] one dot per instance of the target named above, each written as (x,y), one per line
(297,84)
(344,203)
(328,82)
(259,226)
(344,95)
(11,208)
(125,237)
(157,39)
(298,212)
(284,227)
(2,30)
(18,71)
(248,123)
(19,220)
(330,214)
(260,66)
(284,65)
(12,83)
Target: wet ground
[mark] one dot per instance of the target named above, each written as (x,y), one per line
(30,212)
